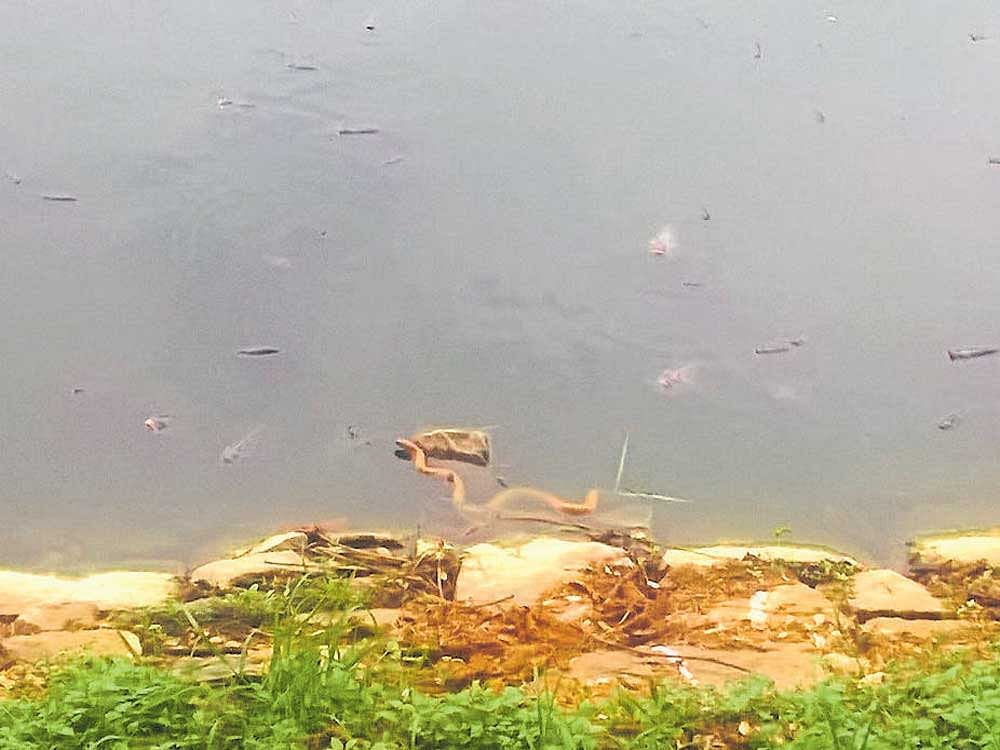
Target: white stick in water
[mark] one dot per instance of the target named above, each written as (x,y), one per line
(621,464)
(628,493)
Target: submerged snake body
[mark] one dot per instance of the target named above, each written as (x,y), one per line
(501,499)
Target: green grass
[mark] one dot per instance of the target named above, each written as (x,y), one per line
(327,689)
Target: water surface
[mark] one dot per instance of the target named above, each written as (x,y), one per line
(496,270)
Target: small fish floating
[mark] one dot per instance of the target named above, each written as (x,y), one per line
(157,423)
(670,378)
(780,347)
(261,351)
(235,451)
(300,66)
(948,422)
(59,197)
(357,131)
(971,352)
(662,243)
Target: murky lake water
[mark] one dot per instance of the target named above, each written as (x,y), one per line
(496,270)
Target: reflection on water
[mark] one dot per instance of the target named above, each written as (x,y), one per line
(481,255)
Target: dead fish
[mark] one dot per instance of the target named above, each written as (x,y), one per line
(235,451)
(692,284)
(673,377)
(994,160)
(300,66)
(370,23)
(948,422)
(974,37)
(780,347)
(77,391)
(224,102)
(157,423)
(393,160)
(261,351)
(59,197)
(820,117)
(357,131)
(758,53)
(663,243)
(12,177)
(971,352)
(705,215)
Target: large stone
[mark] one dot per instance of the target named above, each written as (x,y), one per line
(723,553)
(293,540)
(250,569)
(490,572)
(49,602)
(886,593)
(929,552)
(922,630)
(103,642)
(791,665)
(774,607)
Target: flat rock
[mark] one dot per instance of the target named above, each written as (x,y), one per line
(58,616)
(923,630)
(48,602)
(789,666)
(723,553)
(102,642)
(774,607)
(293,540)
(249,568)
(214,669)
(490,572)
(956,547)
(886,593)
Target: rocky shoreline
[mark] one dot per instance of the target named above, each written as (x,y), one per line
(600,610)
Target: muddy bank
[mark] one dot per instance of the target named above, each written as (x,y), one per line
(600,609)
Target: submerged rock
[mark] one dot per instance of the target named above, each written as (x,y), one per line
(490,572)
(886,593)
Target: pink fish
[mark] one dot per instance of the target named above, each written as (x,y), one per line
(671,378)
(662,243)
(158,423)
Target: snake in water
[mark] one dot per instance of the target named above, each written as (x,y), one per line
(498,501)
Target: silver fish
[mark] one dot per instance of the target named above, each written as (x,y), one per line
(59,197)
(949,422)
(772,349)
(971,352)
(357,131)
(235,451)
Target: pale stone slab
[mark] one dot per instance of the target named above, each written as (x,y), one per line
(886,593)
(490,572)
